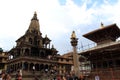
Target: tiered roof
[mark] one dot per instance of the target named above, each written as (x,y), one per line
(105,33)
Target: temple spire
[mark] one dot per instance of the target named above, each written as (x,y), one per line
(34,24)
(34,16)
(101,25)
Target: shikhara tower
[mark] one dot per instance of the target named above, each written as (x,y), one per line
(32,52)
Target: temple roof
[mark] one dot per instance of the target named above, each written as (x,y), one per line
(110,32)
(34,25)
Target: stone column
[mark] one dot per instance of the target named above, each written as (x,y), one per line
(74,42)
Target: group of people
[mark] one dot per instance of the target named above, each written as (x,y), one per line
(18,75)
(68,77)
(5,76)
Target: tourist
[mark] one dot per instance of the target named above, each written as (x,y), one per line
(70,77)
(64,78)
(58,77)
(3,75)
(81,77)
(8,77)
(18,76)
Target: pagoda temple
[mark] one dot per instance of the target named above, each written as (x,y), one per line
(104,58)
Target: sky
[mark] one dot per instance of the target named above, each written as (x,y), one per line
(57,18)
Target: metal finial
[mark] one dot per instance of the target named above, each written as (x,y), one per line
(102,25)
(73,35)
(35,16)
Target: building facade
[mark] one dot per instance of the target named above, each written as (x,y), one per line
(103,59)
(34,56)
(3,59)
(65,63)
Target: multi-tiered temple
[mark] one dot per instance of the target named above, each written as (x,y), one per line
(104,58)
(34,56)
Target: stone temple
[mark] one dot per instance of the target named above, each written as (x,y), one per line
(34,56)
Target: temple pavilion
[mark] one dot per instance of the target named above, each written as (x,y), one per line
(104,58)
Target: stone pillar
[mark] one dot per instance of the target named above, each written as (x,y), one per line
(74,42)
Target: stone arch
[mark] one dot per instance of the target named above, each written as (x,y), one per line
(30,41)
(41,67)
(35,40)
(18,52)
(15,67)
(37,67)
(35,51)
(46,68)
(18,65)
(50,67)
(25,65)
(27,51)
(31,66)
(12,68)
(42,54)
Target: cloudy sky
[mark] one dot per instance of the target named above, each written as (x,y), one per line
(58,18)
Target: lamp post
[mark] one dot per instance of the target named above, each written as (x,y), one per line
(74,42)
